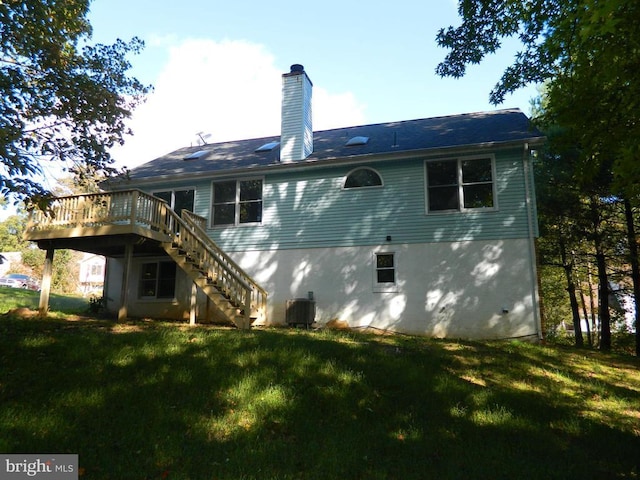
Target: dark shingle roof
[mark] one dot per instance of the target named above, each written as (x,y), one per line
(471,129)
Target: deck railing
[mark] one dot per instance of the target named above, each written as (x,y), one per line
(187,233)
(130,207)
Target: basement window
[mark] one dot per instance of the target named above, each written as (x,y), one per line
(385,272)
(157,280)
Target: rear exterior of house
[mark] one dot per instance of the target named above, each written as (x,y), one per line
(423,227)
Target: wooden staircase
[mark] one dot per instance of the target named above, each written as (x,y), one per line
(236,296)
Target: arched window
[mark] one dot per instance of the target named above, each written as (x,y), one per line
(363,177)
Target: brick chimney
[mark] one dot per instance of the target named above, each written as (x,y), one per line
(296,135)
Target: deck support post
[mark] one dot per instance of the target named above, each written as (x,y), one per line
(124,294)
(45,285)
(194,304)
(246,315)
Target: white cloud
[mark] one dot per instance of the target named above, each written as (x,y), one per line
(229,89)
(334,110)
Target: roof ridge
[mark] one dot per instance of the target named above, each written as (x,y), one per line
(485,112)
(377,124)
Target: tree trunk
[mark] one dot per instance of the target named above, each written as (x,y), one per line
(603,279)
(594,326)
(586,318)
(567,264)
(635,267)
(603,297)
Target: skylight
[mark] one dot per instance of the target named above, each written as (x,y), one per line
(267,147)
(357,141)
(198,154)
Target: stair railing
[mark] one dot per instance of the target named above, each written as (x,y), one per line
(222,264)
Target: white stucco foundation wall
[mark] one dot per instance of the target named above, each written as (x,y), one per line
(474,289)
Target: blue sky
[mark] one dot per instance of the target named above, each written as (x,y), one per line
(216,66)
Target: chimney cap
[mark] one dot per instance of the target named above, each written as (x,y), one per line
(297,68)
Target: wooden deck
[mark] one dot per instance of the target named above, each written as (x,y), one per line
(132,222)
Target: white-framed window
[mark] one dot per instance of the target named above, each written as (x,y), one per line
(236,202)
(385,272)
(362,177)
(96,270)
(157,280)
(460,184)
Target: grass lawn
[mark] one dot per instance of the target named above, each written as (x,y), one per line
(11,298)
(151,400)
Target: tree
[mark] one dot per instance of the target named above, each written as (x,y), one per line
(65,265)
(632,241)
(11,234)
(558,203)
(587,53)
(62,99)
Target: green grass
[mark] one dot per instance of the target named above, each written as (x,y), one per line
(159,400)
(11,298)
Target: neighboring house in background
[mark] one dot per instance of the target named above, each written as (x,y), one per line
(91,277)
(422,226)
(8,261)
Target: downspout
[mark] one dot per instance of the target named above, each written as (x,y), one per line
(535,297)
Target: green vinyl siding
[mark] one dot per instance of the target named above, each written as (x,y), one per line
(310,208)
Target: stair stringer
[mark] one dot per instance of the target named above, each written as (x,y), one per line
(225,306)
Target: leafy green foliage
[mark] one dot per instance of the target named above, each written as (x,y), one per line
(486,22)
(556,309)
(585,51)
(11,234)
(596,97)
(97,304)
(62,99)
(65,262)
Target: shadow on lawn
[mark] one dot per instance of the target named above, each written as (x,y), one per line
(167,402)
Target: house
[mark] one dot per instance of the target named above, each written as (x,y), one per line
(91,275)
(422,226)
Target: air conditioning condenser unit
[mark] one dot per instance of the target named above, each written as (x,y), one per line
(300,311)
